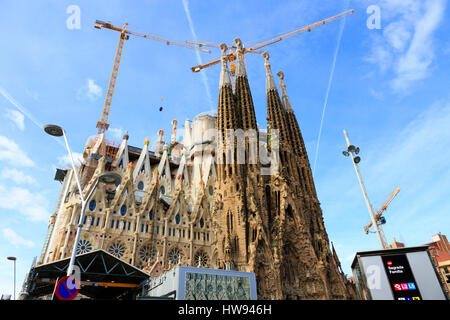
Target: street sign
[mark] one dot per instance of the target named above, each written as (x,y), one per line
(67,288)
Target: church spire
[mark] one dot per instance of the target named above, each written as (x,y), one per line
(284,97)
(270,83)
(296,138)
(293,127)
(226,119)
(244,101)
(275,110)
(224,74)
(159,143)
(241,66)
(173,137)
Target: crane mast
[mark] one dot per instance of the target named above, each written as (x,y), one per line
(103,125)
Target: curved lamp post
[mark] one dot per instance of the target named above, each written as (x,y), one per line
(352,151)
(106,178)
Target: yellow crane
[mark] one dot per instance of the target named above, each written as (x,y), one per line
(380,220)
(103,125)
(232,55)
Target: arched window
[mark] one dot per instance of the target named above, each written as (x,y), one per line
(141,185)
(177,219)
(92,205)
(123,210)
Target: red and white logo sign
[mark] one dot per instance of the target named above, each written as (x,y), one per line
(389,263)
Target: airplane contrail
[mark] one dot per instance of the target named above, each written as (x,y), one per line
(23,110)
(341,31)
(199,58)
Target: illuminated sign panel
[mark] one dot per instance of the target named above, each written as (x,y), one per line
(401,278)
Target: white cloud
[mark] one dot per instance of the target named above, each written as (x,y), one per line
(31,205)
(12,237)
(376,94)
(406,46)
(10,152)
(116,133)
(17,176)
(16,117)
(90,90)
(64,160)
(397,35)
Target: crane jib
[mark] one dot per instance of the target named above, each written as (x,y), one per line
(276,39)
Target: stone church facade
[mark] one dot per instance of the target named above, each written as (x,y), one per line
(194,202)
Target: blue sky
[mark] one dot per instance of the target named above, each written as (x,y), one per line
(389,90)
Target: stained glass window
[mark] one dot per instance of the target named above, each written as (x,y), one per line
(116,249)
(146,253)
(83,246)
(123,210)
(141,185)
(177,219)
(175,256)
(92,205)
(200,259)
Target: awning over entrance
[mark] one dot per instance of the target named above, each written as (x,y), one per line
(103,276)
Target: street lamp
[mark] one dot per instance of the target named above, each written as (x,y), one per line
(14,259)
(351,151)
(106,177)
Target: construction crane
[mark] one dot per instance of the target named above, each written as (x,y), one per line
(103,125)
(380,220)
(232,55)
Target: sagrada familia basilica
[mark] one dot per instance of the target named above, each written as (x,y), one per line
(203,202)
